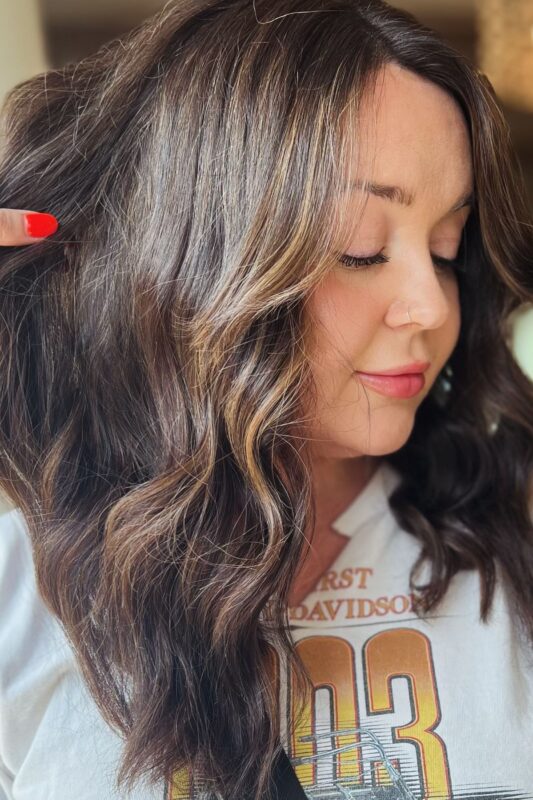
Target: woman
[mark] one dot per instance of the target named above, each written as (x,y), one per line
(259,204)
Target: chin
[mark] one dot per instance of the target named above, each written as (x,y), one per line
(384,435)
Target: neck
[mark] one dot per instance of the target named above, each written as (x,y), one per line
(337,482)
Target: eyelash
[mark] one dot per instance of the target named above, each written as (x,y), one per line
(366,261)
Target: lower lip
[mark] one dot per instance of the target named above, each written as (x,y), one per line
(394,385)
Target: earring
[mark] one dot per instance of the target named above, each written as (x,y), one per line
(443,386)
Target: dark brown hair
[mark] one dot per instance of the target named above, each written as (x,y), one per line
(152,367)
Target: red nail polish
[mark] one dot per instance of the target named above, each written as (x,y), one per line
(40,225)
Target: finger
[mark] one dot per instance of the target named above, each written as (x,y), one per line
(25,227)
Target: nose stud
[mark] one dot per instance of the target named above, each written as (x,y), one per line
(403,310)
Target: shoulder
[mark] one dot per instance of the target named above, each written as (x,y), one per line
(53,740)
(30,637)
(35,657)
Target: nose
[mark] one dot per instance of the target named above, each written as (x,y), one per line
(427,298)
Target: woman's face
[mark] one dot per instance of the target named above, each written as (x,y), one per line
(417,139)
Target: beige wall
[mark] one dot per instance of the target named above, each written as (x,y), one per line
(22,51)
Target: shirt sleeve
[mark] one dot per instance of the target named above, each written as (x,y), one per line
(54,742)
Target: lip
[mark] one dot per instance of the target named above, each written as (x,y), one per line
(406,369)
(402,386)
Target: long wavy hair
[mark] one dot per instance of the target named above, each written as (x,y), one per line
(153,358)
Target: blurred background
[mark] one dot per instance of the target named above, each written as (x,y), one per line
(496,34)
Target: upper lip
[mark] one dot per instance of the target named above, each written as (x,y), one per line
(405,369)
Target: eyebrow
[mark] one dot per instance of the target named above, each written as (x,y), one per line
(397,194)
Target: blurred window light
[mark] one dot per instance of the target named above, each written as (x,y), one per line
(505,49)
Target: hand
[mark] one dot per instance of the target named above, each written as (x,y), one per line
(25,227)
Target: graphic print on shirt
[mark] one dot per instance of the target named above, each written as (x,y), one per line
(383,697)
(371,728)
(351,749)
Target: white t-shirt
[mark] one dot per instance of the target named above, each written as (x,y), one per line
(54,744)
(434,708)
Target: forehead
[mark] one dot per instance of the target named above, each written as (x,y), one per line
(411,132)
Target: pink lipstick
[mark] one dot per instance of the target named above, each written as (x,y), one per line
(405,381)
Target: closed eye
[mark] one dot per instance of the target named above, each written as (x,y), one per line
(360,262)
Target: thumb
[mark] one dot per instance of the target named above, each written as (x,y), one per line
(25,227)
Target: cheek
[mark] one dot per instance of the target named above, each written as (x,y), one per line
(451,329)
(345,319)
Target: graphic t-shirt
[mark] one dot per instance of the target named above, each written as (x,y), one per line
(440,707)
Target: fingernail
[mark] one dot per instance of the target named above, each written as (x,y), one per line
(40,225)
